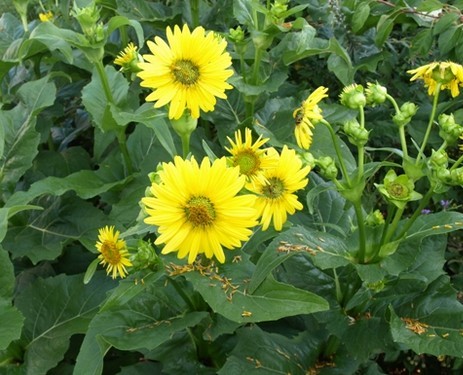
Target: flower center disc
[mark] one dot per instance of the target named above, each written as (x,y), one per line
(200,211)
(185,72)
(274,189)
(398,190)
(110,253)
(248,162)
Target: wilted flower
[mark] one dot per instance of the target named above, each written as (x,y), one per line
(448,74)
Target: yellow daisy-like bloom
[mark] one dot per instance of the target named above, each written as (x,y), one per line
(197,209)
(276,197)
(127,56)
(114,254)
(447,73)
(307,116)
(248,156)
(189,72)
(46,17)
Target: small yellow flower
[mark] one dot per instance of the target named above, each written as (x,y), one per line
(447,73)
(249,157)
(114,254)
(188,73)
(275,197)
(127,57)
(307,116)
(46,17)
(197,209)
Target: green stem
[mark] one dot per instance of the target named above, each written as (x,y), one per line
(337,284)
(390,212)
(403,141)
(185,144)
(194,6)
(104,81)
(361,148)
(423,202)
(431,121)
(331,347)
(457,163)
(255,71)
(362,233)
(182,294)
(338,152)
(393,226)
(122,140)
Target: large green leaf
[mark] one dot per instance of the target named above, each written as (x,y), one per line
(41,235)
(8,314)
(20,137)
(54,310)
(260,352)
(433,324)
(227,294)
(97,104)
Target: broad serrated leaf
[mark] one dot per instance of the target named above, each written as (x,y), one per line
(275,353)
(271,300)
(20,137)
(54,310)
(422,42)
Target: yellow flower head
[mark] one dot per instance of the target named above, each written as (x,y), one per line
(447,73)
(113,252)
(197,209)
(46,17)
(248,156)
(307,116)
(189,72)
(128,57)
(276,197)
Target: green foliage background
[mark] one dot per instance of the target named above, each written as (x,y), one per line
(63,176)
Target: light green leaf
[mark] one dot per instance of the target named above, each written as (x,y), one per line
(361,13)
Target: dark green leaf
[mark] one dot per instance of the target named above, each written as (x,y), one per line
(384,28)
(445,22)
(54,310)
(12,320)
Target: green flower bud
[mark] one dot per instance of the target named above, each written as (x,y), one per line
(409,109)
(375,93)
(307,159)
(236,35)
(456,176)
(449,130)
(398,189)
(145,257)
(278,9)
(327,167)
(353,97)
(439,159)
(374,218)
(185,125)
(403,117)
(443,175)
(87,17)
(356,134)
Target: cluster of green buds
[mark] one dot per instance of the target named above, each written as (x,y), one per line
(88,18)
(374,219)
(405,114)
(237,37)
(375,94)
(353,97)
(449,131)
(327,167)
(145,257)
(278,10)
(398,190)
(356,134)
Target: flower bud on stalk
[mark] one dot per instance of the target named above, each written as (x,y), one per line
(375,93)
(353,97)
(449,130)
(327,167)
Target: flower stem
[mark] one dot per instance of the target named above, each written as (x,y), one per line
(185,144)
(122,140)
(194,6)
(361,228)
(338,152)
(403,141)
(104,82)
(393,226)
(361,148)
(431,121)
(457,163)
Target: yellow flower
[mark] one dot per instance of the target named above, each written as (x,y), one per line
(307,116)
(114,254)
(447,73)
(276,197)
(46,17)
(189,72)
(197,209)
(248,156)
(127,57)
